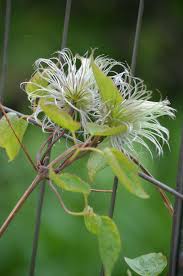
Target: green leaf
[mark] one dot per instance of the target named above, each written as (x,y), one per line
(108,91)
(148,265)
(58,116)
(7,137)
(36,86)
(93,222)
(97,161)
(109,244)
(70,182)
(104,130)
(108,238)
(125,170)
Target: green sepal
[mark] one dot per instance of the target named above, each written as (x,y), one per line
(107,89)
(35,87)
(58,116)
(104,130)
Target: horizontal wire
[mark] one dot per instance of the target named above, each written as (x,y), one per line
(160,185)
(142,175)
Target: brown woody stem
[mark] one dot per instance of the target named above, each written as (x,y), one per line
(51,144)
(19,204)
(22,146)
(166,200)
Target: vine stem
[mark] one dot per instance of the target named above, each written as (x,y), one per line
(51,144)
(161,185)
(61,156)
(150,178)
(161,188)
(101,191)
(21,144)
(47,154)
(144,175)
(19,204)
(36,181)
(25,117)
(62,203)
(38,155)
(133,66)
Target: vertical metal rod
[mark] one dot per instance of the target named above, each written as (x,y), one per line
(111,208)
(38,222)
(42,189)
(176,254)
(113,197)
(133,66)
(137,36)
(66,23)
(5,48)
(37,228)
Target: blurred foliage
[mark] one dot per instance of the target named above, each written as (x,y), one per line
(66,248)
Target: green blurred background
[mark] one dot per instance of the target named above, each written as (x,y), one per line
(65,247)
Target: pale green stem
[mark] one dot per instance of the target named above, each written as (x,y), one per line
(91,149)
(83,213)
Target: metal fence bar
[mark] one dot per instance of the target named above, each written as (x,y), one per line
(161,185)
(37,229)
(5,48)
(137,36)
(42,188)
(133,66)
(176,254)
(38,223)
(111,208)
(66,24)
